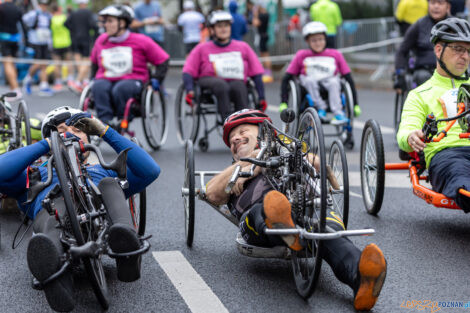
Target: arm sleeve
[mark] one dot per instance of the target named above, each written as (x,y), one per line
(349,79)
(154,53)
(339,19)
(285,87)
(188,82)
(409,40)
(258,79)
(142,170)
(413,118)
(160,71)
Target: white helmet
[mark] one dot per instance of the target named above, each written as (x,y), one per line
(119,11)
(188,5)
(219,16)
(56,117)
(313,28)
(82,1)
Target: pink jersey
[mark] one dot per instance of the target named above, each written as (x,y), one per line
(236,61)
(127,59)
(320,65)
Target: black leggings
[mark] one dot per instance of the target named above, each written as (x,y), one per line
(341,254)
(226,91)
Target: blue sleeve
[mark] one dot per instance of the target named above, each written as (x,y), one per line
(142,170)
(188,82)
(258,80)
(13,166)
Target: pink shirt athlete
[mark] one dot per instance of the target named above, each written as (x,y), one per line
(298,67)
(236,61)
(127,59)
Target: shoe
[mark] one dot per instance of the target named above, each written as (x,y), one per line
(372,271)
(57,87)
(277,210)
(46,92)
(27,82)
(321,114)
(357,111)
(43,261)
(75,86)
(123,238)
(267,79)
(339,119)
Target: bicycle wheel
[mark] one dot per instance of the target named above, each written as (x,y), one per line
(187,117)
(372,165)
(348,107)
(399,101)
(189,196)
(85,102)
(23,126)
(138,208)
(306,264)
(154,119)
(293,103)
(253,98)
(339,167)
(93,266)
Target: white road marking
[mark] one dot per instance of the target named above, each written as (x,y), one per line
(195,292)
(392,180)
(353,194)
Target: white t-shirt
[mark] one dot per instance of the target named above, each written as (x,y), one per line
(191,21)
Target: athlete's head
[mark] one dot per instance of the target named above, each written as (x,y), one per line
(188,5)
(116,19)
(315,35)
(56,118)
(241,132)
(82,3)
(220,25)
(438,9)
(452,33)
(43,4)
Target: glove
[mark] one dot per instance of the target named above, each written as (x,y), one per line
(155,84)
(189,98)
(283,106)
(263,105)
(87,124)
(399,81)
(357,110)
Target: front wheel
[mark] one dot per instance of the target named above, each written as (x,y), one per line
(154,118)
(23,126)
(187,117)
(399,101)
(189,193)
(339,169)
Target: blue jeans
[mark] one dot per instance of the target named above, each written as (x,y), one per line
(111,97)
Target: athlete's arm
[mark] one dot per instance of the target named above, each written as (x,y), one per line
(188,82)
(413,119)
(258,80)
(285,87)
(409,42)
(349,79)
(160,71)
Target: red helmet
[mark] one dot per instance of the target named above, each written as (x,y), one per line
(245,116)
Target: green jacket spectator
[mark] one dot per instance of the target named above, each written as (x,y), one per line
(327,12)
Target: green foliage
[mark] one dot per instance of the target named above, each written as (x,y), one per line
(358,9)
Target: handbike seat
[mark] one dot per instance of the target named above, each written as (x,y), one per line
(277,252)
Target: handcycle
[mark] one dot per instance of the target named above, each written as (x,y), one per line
(83,223)
(150,105)
(284,160)
(373,166)
(299,100)
(188,118)
(14,128)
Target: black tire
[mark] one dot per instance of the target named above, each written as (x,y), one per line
(203,144)
(293,103)
(93,266)
(399,102)
(154,118)
(339,166)
(84,97)
(23,126)
(186,117)
(189,199)
(346,131)
(306,264)
(372,165)
(138,206)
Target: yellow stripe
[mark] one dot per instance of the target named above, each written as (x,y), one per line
(104,131)
(251,228)
(336,219)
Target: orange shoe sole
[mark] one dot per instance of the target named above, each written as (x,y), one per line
(278,216)
(372,269)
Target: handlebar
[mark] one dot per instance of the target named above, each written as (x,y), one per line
(430,129)
(237,173)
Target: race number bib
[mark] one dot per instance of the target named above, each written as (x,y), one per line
(320,67)
(228,65)
(152,29)
(449,102)
(43,35)
(117,61)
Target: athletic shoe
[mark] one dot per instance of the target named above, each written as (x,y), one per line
(27,82)
(339,119)
(123,238)
(46,92)
(277,210)
(322,114)
(357,111)
(57,87)
(372,269)
(43,261)
(75,86)
(267,79)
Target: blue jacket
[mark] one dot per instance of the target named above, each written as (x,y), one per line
(239,23)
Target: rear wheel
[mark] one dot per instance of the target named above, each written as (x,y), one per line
(23,126)
(399,101)
(187,117)
(339,167)
(138,206)
(154,118)
(189,197)
(293,103)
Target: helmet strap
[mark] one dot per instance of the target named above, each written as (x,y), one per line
(444,67)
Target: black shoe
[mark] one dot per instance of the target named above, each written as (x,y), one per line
(44,261)
(123,238)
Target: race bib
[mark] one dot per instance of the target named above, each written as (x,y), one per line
(320,67)
(152,29)
(228,65)
(117,61)
(43,35)
(449,103)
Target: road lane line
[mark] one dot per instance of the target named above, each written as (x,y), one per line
(392,180)
(195,292)
(353,194)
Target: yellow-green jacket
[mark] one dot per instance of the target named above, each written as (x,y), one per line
(327,12)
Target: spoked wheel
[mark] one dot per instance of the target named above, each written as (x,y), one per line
(306,264)
(138,206)
(23,126)
(154,118)
(253,97)
(85,102)
(346,131)
(189,193)
(399,101)
(293,103)
(81,233)
(339,167)
(372,166)
(187,117)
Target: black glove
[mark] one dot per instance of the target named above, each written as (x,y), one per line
(87,124)
(399,81)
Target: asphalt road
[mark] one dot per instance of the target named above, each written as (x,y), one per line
(426,247)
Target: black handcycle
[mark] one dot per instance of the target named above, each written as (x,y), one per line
(15,128)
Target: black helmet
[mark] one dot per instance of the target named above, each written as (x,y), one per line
(451,30)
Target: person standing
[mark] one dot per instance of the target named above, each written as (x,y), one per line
(61,43)
(83,28)
(10,15)
(239,28)
(261,22)
(327,12)
(408,12)
(39,35)
(148,15)
(191,23)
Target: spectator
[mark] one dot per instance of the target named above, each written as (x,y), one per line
(239,23)
(83,28)
(61,43)
(39,35)
(457,8)
(249,12)
(149,20)
(408,12)
(294,28)
(261,22)
(327,12)
(190,22)
(10,15)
